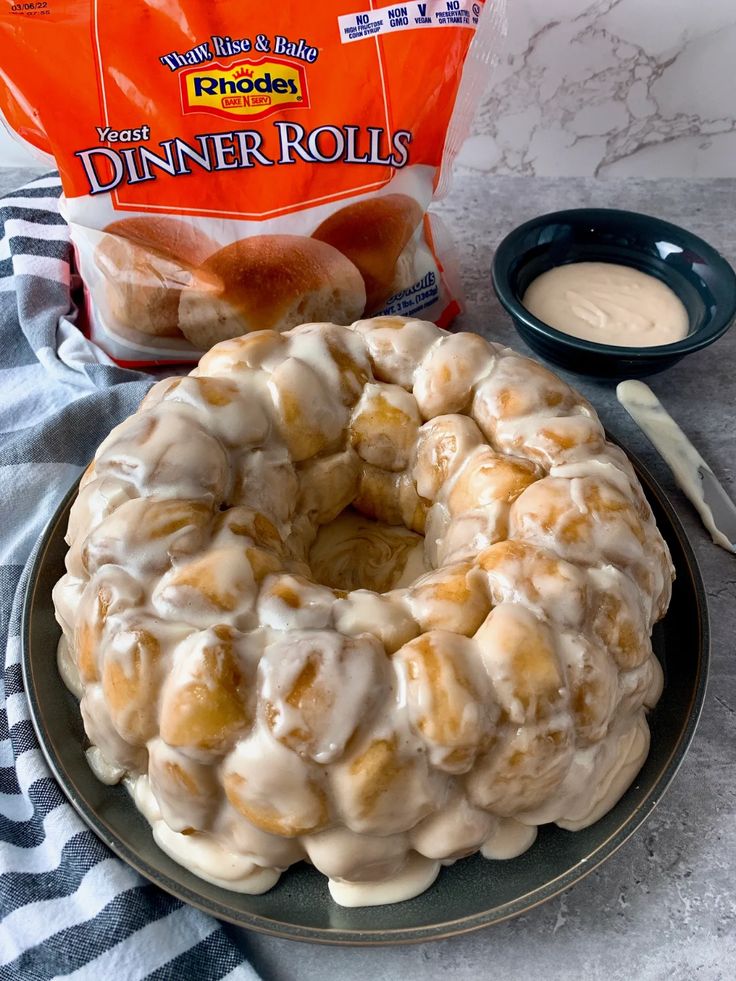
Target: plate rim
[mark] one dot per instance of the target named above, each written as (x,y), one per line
(373,937)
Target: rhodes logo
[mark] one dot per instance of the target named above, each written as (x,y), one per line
(245,88)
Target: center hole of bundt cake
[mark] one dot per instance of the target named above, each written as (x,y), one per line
(357,552)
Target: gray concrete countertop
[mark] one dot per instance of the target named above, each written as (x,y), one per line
(664,906)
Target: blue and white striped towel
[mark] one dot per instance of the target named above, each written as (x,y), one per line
(68,907)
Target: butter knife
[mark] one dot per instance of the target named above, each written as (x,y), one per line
(692,473)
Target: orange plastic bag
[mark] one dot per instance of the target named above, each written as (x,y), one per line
(230,166)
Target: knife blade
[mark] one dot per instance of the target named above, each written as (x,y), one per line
(690,470)
(722,507)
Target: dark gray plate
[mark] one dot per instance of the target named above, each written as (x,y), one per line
(470,894)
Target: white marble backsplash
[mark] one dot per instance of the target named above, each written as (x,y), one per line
(606,88)
(611,88)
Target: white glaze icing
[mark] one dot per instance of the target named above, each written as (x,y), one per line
(609,304)
(347,671)
(211,862)
(106,772)
(598,777)
(456,830)
(417,875)
(200,853)
(509,839)
(68,669)
(340,853)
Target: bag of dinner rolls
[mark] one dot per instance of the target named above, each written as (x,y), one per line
(235,166)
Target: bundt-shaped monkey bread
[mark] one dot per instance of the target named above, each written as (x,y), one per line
(374,596)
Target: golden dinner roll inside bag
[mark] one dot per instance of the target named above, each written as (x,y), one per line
(146,263)
(373,596)
(270,282)
(376,235)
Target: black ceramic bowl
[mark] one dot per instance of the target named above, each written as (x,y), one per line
(699,275)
